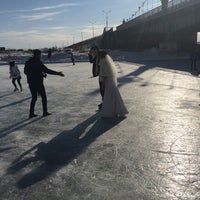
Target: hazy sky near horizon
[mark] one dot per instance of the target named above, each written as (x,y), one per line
(46,23)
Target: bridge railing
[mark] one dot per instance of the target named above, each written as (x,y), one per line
(173,5)
(181,3)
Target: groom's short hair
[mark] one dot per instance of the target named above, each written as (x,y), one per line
(36,52)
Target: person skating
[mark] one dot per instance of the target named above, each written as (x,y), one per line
(35,71)
(15,75)
(193,58)
(49,53)
(72,58)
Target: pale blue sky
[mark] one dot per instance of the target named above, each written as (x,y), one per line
(46,23)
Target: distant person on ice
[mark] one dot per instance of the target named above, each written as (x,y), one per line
(15,75)
(72,58)
(193,59)
(113,105)
(35,71)
(94,59)
(49,53)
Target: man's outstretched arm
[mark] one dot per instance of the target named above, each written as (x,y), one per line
(50,71)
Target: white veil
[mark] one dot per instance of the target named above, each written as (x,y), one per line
(107,67)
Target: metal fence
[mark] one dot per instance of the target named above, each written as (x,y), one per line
(172,5)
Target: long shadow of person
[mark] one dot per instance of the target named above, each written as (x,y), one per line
(61,150)
(15,103)
(17,126)
(6,94)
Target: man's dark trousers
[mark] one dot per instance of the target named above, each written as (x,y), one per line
(35,90)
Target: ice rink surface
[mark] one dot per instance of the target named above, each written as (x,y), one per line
(152,154)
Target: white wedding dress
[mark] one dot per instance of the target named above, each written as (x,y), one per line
(113,105)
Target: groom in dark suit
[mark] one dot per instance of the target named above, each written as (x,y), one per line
(94,59)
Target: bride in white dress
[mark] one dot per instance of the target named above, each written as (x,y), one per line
(113,105)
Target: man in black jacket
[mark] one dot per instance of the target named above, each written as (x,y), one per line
(93,58)
(35,71)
